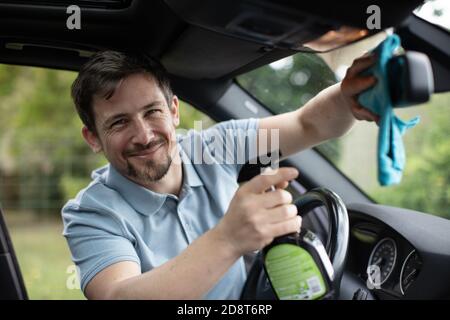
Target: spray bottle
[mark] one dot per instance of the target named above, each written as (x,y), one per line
(298,267)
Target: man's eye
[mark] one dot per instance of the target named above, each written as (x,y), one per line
(118,123)
(151,112)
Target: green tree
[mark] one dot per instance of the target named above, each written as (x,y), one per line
(426,183)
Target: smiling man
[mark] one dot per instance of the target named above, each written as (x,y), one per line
(154,223)
(142,155)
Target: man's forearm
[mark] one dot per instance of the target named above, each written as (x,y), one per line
(330,114)
(327,114)
(190,275)
(324,117)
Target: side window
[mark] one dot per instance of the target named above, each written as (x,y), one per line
(44,162)
(288,84)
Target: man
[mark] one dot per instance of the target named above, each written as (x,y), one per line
(155,225)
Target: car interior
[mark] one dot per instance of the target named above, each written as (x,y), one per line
(205,46)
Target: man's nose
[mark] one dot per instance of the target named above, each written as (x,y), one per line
(142,133)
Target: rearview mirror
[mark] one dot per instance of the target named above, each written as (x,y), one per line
(410,79)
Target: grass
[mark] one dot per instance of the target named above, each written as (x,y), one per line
(44,257)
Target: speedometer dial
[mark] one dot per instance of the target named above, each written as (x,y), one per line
(410,270)
(382,261)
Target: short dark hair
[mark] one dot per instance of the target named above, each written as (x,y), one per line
(101,74)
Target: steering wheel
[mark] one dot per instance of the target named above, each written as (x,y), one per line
(257,286)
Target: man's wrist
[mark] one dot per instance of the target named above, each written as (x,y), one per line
(224,243)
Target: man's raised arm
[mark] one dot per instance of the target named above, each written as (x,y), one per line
(330,114)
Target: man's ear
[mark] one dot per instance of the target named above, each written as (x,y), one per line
(91,139)
(174,110)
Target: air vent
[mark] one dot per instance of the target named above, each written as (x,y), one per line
(366,232)
(101,4)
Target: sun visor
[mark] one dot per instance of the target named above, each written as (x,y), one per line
(316,26)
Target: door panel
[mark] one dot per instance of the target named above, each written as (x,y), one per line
(11,283)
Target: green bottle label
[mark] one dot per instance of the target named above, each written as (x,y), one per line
(293,273)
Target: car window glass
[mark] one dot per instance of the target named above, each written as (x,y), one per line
(288,84)
(436,12)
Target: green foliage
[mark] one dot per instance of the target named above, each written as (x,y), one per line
(43,136)
(189,115)
(426,184)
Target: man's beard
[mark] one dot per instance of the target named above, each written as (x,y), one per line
(151,171)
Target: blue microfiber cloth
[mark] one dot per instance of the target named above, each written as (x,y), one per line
(391,152)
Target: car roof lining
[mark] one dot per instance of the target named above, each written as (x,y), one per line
(193,50)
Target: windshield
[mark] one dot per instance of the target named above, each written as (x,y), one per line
(436,12)
(289,83)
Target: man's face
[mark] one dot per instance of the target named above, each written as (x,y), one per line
(136,129)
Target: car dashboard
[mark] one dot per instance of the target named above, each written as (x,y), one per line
(383,259)
(396,254)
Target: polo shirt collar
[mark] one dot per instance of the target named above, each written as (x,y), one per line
(189,172)
(144,200)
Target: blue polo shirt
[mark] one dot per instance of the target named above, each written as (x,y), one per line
(115,219)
